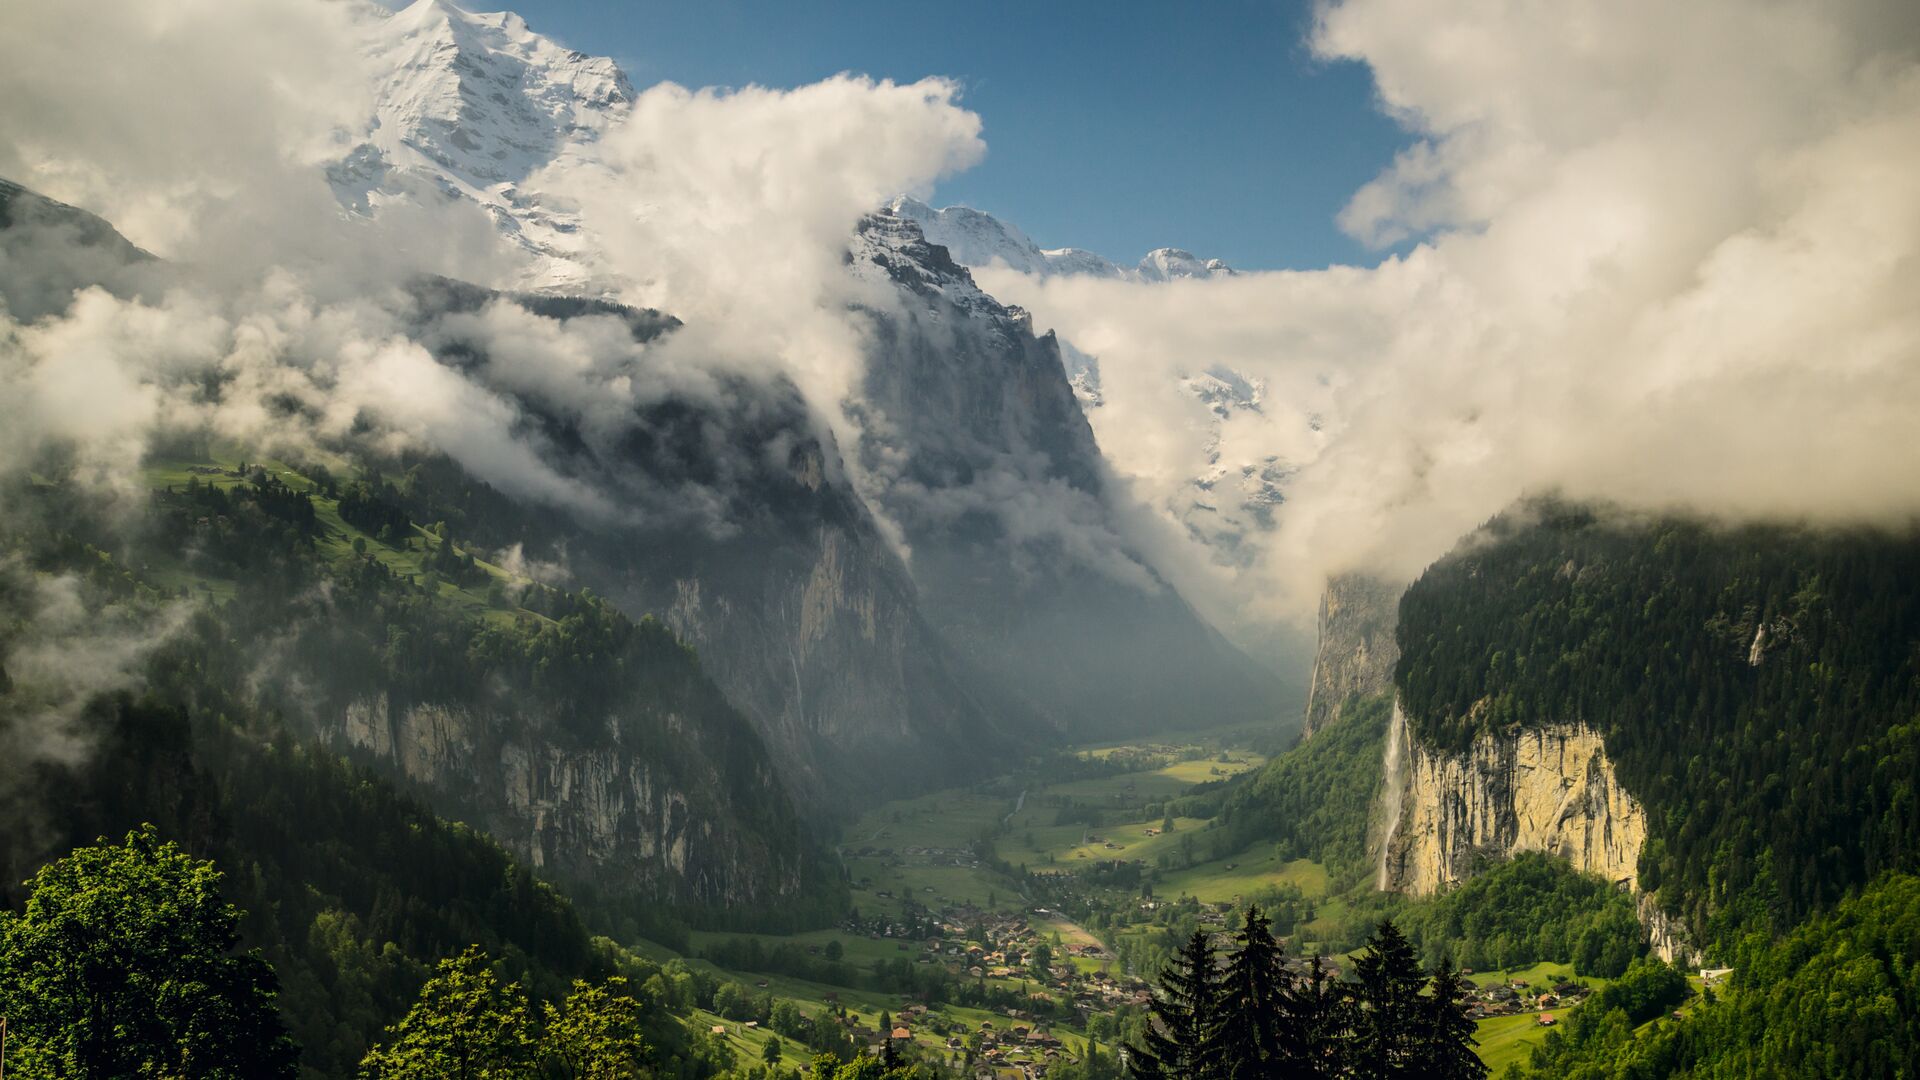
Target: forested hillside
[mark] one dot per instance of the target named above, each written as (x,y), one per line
(1836,997)
(1758,689)
(234,609)
(1314,800)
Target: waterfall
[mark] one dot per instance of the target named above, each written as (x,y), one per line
(1394,787)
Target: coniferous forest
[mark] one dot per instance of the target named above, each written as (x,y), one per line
(1247,1011)
(1758,688)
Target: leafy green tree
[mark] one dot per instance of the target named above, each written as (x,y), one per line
(595,1034)
(1648,988)
(466,1025)
(770,1053)
(122,964)
(1041,961)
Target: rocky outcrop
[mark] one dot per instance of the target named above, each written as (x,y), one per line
(974,445)
(1546,789)
(739,531)
(1357,650)
(1550,789)
(612,813)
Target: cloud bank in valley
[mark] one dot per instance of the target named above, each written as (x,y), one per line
(1666,256)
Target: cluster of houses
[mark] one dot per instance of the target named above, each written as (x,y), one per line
(1030,1048)
(1518,996)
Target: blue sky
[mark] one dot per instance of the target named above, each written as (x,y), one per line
(1118,126)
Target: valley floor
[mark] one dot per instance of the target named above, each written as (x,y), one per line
(957,889)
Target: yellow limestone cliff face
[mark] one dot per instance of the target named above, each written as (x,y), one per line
(1550,789)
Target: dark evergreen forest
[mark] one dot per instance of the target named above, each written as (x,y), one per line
(1758,689)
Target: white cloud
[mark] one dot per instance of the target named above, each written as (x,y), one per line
(733,209)
(1668,259)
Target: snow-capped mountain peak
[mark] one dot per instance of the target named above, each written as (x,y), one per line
(469,105)
(1166,264)
(977,239)
(972,237)
(482,96)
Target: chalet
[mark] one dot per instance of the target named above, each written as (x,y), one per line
(1546,1020)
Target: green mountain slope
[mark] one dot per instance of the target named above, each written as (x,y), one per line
(1758,689)
(236,610)
(1837,997)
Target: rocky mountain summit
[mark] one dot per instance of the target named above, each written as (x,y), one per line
(1008,566)
(977,238)
(977,447)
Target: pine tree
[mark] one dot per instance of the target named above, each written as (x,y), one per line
(1183,1017)
(1321,1031)
(1389,1019)
(1448,1034)
(889,1053)
(1253,1034)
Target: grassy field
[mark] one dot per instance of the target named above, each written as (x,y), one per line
(334,540)
(1537,976)
(1132,789)
(1505,1040)
(1242,876)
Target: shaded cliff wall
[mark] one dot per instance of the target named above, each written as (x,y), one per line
(608,813)
(1357,650)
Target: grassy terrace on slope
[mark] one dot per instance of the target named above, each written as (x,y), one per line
(1758,690)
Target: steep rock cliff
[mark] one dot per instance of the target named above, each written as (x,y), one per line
(1357,650)
(613,814)
(1549,788)
(740,531)
(975,446)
